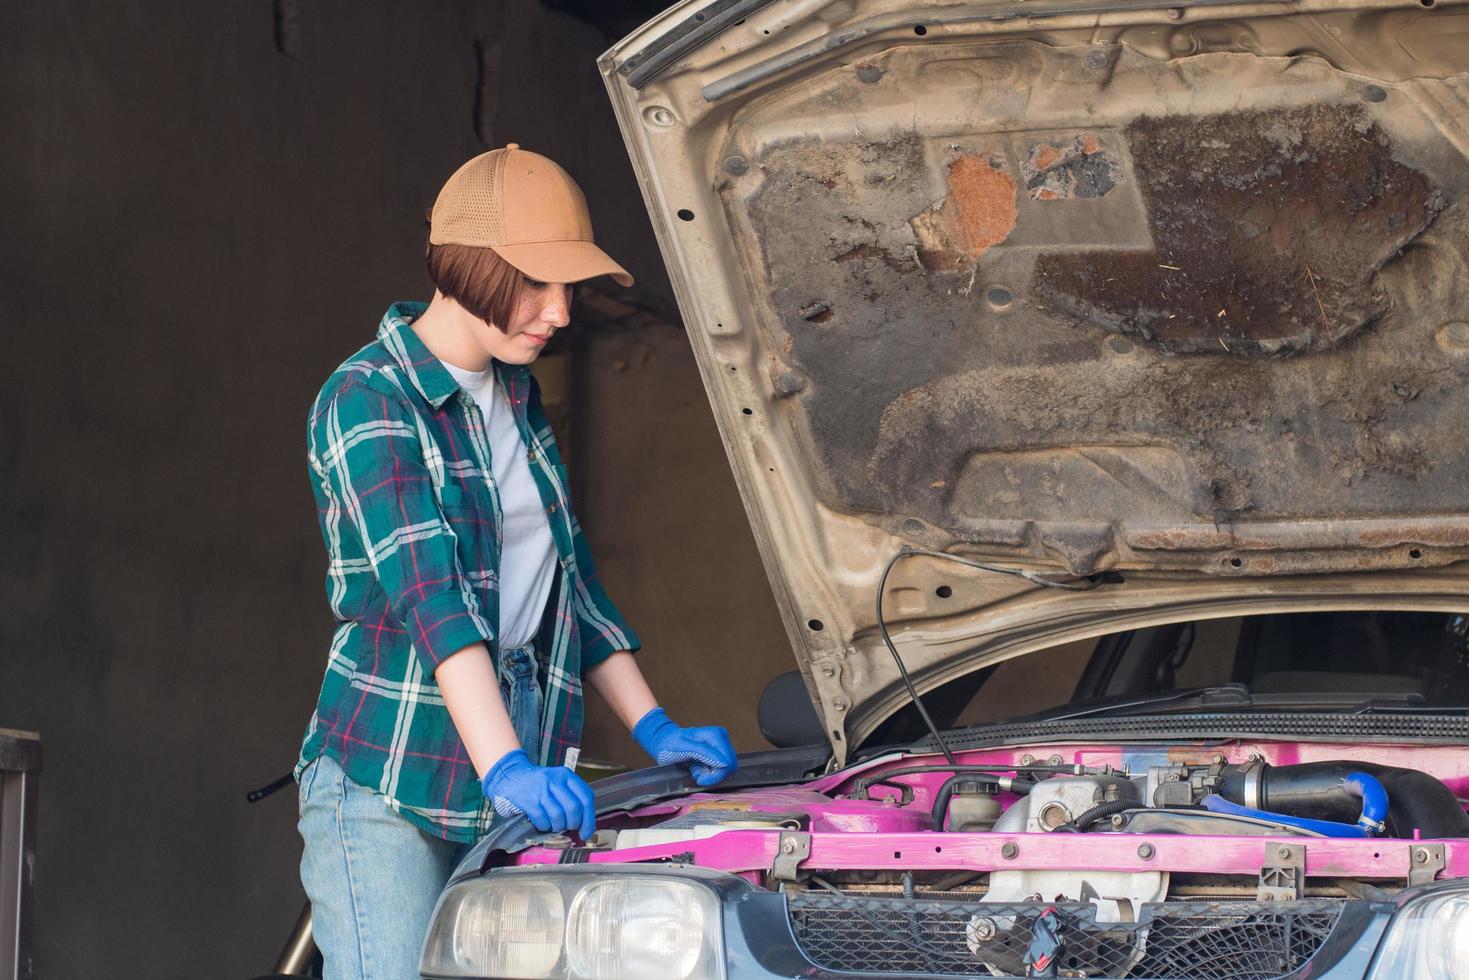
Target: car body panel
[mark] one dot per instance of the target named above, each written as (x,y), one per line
(883,829)
(858,823)
(1166,302)
(1175,293)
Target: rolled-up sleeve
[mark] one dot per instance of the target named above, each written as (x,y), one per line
(367,450)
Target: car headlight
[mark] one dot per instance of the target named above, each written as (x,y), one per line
(1429,937)
(577,926)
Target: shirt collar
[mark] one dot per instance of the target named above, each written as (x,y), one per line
(423,369)
(426,371)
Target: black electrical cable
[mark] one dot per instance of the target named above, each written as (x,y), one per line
(882,627)
(1074,585)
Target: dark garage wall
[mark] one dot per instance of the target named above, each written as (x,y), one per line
(669,535)
(194,229)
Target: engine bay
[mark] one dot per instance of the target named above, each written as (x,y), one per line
(1113,827)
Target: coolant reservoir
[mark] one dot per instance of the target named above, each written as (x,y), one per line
(972,809)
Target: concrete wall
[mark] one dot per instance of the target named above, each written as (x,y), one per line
(655,494)
(195,227)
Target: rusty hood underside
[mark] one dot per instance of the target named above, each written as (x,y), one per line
(1178,293)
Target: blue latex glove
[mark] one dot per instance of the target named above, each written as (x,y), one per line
(708,749)
(553,798)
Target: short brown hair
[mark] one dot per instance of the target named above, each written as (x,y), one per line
(478,280)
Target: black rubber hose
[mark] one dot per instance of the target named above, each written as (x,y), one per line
(946,793)
(1099,812)
(1416,800)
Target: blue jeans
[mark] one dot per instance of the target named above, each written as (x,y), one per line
(373,878)
(521,691)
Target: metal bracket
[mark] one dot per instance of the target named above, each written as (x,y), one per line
(793,847)
(1283,875)
(1427,860)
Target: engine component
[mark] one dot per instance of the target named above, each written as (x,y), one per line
(1181,785)
(1357,784)
(1046,944)
(1319,791)
(1058,801)
(1179,821)
(972,807)
(1116,896)
(968,784)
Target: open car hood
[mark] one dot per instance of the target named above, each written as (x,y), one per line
(1179,293)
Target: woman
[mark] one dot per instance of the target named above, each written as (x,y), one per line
(468,611)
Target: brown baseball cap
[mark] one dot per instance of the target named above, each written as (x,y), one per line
(528,210)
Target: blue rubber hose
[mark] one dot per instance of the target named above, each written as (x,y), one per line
(1374,800)
(1326,828)
(1357,784)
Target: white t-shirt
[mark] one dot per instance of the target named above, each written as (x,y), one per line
(528,555)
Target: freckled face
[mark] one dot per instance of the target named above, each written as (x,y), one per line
(543,308)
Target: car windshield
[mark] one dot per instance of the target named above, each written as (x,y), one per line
(1351,660)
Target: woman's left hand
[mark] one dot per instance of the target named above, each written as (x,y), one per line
(706,750)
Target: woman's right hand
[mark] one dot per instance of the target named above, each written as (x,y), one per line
(553,798)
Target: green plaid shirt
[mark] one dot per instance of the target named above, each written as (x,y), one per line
(410,512)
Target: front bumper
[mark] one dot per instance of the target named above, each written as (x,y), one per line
(762,939)
(761,942)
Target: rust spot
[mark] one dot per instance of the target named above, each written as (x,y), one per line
(1269,229)
(720,804)
(978,214)
(1179,539)
(1417,532)
(1076,169)
(1043,156)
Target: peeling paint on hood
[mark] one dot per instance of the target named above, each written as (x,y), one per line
(977,214)
(1178,295)
(1268,229)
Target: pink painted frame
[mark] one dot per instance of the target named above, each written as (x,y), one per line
(740,851)
(879,834)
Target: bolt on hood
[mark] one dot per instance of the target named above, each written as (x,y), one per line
(1180,293)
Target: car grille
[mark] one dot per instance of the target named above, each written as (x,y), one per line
(1170,940)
